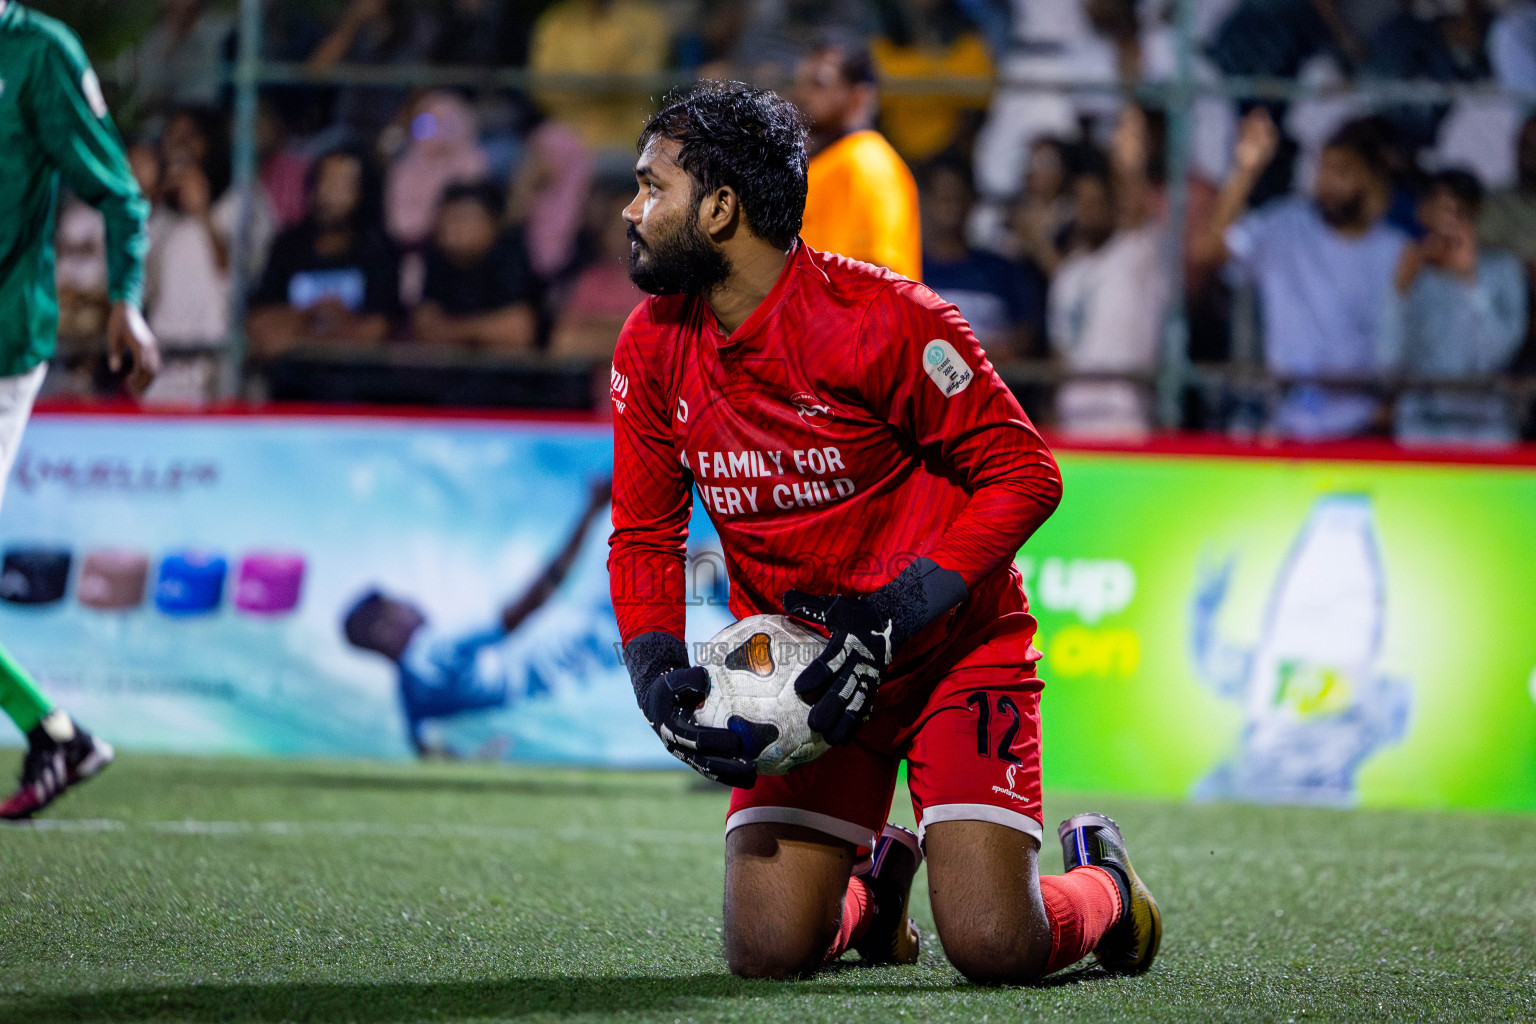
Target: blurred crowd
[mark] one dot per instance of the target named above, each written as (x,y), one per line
(1349,268)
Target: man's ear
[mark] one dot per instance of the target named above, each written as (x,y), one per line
(719,213)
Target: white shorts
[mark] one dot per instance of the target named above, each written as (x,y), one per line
(16,397)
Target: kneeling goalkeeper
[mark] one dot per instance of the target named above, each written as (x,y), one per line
(868,472)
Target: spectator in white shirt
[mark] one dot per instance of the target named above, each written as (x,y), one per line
(1324,271)
(1110,296)
(187,274)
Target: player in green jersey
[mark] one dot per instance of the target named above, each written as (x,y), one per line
(53,126)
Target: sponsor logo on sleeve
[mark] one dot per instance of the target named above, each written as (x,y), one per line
(949,373)
(91,86)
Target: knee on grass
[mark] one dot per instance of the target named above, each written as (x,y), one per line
(994,958)
(776,957)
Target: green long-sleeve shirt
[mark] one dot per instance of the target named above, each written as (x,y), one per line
(53,124)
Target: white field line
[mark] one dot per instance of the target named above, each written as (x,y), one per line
(366,829)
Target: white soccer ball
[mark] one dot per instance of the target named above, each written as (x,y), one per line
(752,666)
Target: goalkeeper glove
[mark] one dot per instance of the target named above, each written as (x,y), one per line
(866,632)
(669,692)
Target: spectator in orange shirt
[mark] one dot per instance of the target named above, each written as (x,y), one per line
(600,37)
(931,39)
(861,201)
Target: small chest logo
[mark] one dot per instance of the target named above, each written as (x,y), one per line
(949,373)
(813,412)
(682,411)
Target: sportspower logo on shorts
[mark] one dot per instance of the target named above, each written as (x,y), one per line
(949,373)
(1008,790)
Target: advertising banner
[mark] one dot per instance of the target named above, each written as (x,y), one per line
(1332,632)
(322,586)
(1292,630)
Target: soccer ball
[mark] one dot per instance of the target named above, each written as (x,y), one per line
(752,666)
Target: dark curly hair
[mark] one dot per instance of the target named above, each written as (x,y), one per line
(747,139)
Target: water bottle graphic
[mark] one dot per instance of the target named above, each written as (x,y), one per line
(1315,705)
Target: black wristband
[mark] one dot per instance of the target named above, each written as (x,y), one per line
(649,656)
(921,593)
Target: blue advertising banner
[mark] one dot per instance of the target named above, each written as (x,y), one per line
(325,586)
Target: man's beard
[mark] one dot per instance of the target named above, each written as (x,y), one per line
(1342,214)
(684,264)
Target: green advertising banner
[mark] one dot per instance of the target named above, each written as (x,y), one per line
(1335,632)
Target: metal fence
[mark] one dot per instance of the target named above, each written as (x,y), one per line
(1177,96)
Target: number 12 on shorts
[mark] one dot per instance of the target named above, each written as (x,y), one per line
(981,700)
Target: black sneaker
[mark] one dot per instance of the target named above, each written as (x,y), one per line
(892,936)
(1130,946)
(59,755)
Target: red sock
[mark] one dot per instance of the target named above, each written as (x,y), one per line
(1081,905)
(858,911)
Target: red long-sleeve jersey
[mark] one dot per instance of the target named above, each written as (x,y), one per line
(851,424)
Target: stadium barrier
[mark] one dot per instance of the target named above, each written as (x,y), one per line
(1336,625)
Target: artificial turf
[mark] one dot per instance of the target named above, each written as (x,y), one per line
(178,889)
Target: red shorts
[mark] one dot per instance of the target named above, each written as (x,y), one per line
(971,742)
